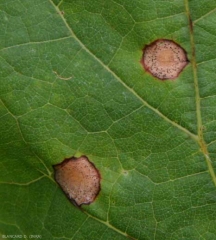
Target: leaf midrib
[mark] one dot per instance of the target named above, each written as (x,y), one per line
(201,141)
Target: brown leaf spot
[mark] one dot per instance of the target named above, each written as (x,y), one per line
(164,59)
(79,179)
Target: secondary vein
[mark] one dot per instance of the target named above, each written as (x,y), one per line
(145,103)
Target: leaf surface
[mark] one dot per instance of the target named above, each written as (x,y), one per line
(72,84)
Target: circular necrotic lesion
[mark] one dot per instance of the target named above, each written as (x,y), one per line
(164,59)
(79,179)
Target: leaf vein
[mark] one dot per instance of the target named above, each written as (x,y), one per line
(145,103)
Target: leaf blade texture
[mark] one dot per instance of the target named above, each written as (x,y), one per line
(72,84)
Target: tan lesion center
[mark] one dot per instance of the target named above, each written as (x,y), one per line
(165,57)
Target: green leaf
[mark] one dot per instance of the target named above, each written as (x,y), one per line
(72,84)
